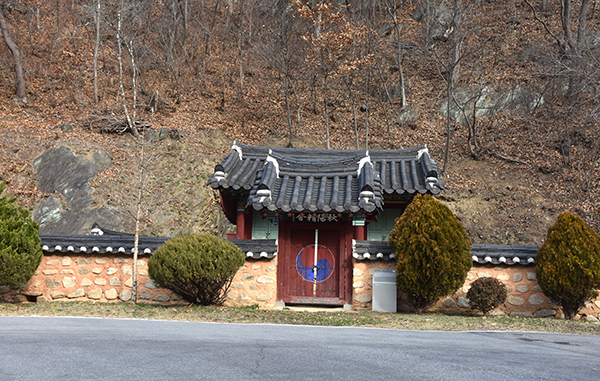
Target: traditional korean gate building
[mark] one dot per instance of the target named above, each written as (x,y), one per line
(308,219)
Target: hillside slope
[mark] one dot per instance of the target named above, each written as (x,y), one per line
(536,154)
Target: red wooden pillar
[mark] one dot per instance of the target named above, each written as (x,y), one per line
(241,223)
(360,233)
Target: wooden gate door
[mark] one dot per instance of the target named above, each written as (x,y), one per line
(312,274)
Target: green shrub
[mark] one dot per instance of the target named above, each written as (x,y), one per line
(568,263)
(432,252)
(20,246)
(486,294)
(200,268)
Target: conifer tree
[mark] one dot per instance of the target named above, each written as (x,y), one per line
(20,246)
(568,263)
(432,252)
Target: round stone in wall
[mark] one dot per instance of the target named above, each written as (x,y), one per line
(95,293)
(545,312)
(535,299)
(85,282)
(531,276)
(58,295)
(522,288)
(233,295)
(125,295)
(76,294)
(503,277)
(362,298)
(448,302)
(150,284)
(517,277)
(265,279)
(145,295)
(161,298)
(110,294)
(521,314)
(69,282)
(515,301)
(463,302)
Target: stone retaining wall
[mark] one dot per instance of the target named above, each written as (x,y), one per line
(254,283)
(525,297)
(108,278)
(85,277)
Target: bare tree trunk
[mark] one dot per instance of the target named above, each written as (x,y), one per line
(449,92)
(367,116)
(326,110)
(392,10)
(544,5)
(454,71)
(138,215)
(575,46)
(14,49)
(354,119)
(207,42)
(286,90)
(96,45)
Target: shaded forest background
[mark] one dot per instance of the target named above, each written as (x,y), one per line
(505,95)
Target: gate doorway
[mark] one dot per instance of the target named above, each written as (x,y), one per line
(312,267)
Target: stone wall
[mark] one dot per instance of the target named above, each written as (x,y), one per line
(108,279)
(104,278)
(525,297)
(254,283)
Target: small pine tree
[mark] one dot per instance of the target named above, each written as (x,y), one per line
(199,267)
(20,246)
(568,263)
(432,252)
(486,294)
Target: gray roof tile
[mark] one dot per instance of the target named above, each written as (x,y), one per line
(310,180)
(481,253)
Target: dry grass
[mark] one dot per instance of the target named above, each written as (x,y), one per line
(429,321)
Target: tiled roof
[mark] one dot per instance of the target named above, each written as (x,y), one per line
(99,241)
(257,248)
(481,253)
(289,179)
(103,241)
(504,254)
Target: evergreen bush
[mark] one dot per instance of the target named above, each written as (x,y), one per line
(20,246)
(433,252)
(200,268)
(568,263)
(486,294)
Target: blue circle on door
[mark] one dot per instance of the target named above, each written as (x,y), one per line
(305,263)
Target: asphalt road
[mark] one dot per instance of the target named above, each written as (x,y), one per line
(43,348)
